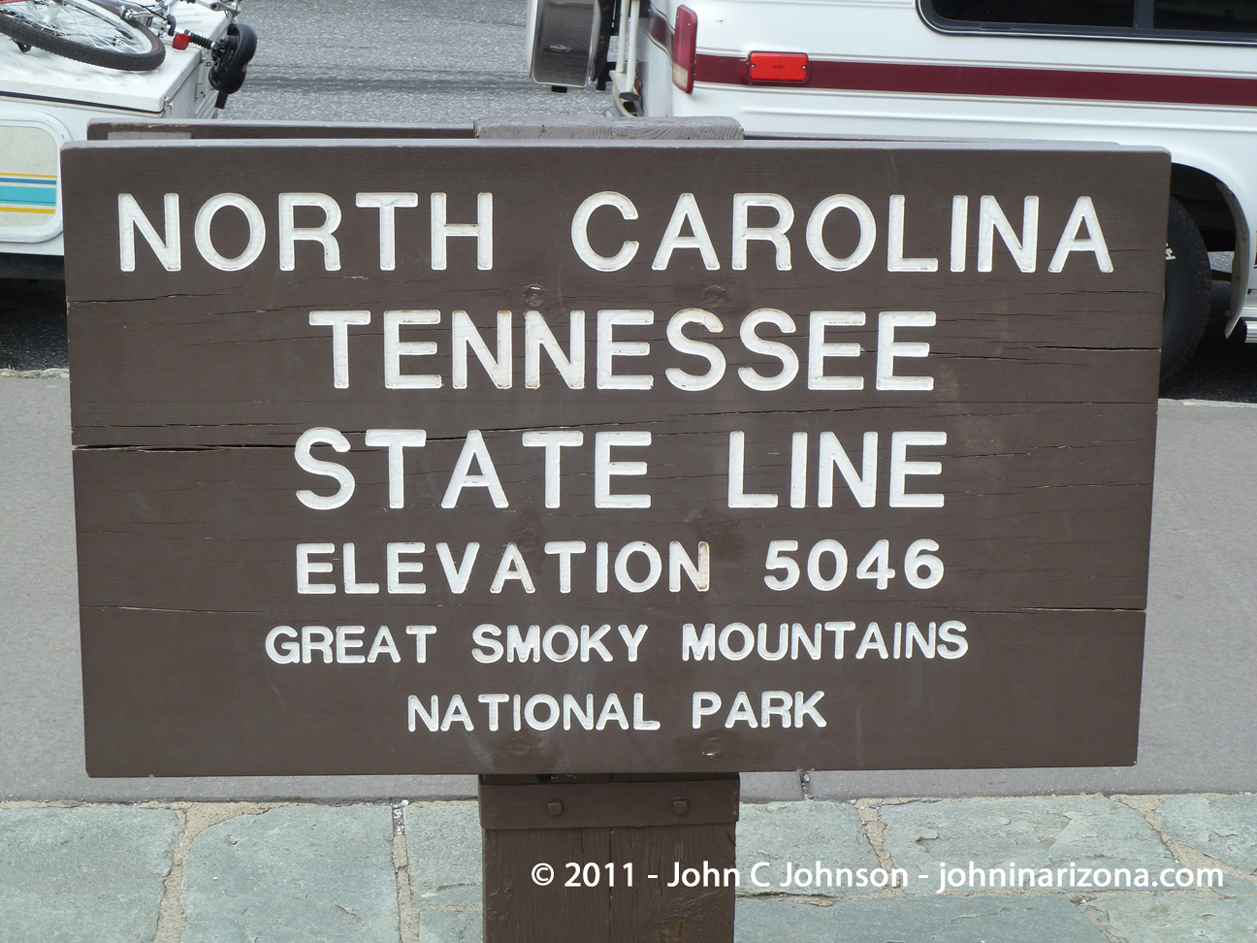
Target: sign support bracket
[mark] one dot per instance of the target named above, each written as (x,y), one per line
(613,858)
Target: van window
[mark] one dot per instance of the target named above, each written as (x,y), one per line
(1102,13)
(1176,16)
(1235,16)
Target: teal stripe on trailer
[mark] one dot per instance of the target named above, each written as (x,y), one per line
(29,196)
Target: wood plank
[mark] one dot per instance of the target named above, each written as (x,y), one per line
(194,694)
(609,883)
(591,128)
(217,129)
(1000,336)
(1046,508)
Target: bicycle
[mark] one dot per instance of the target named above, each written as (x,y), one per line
(124,35)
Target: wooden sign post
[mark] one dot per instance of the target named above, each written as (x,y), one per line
(578,458)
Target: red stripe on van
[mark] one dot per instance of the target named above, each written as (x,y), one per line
(1000,82)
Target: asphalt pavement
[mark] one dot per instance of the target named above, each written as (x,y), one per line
(429,61)
(33,325)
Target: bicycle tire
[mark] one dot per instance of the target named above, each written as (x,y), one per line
(82,31)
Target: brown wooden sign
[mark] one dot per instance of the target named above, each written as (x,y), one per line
(434,457)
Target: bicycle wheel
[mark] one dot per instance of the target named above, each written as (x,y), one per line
(83,31)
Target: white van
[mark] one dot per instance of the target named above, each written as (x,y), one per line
(47,100)
(1177,74)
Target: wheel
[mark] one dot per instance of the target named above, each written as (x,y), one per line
(83,31)
(1188,284)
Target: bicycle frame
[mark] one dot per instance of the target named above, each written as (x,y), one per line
(159,15)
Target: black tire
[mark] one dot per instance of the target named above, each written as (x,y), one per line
(1188,285)
(83,31)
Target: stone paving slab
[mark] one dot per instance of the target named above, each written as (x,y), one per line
(1223,827)
(198,873)
(443,848)
(1238,887)
(293,874)
(1089,832)
(83,875)
(944,919)
(806,835)
(1172,918)
(451,926)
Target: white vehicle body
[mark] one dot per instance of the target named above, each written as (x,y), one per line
(47,100)
(895,69)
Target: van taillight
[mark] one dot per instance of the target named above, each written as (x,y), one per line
(789,67)
(684,49)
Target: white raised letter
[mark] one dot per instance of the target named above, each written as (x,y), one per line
(888,349)
(306,567)
(395,349)
(776,234)
(991,217)
(204,239)
(464,334)
(686,209)
(396,441)
(757,345)
(1084,214)
(900,468)
(339,322)
(481,230)
(512,567)
(474,448)
(818,350)
(608,348)
(895,262)
(552,442)
(344,477)
(863,487)
(290,233)
(397,566)
(580,232)
(738,498)
(604,468)
(387,204)
(816,232)
(537,334)
(959,232)
(131,218)
(564,550)
(684,345)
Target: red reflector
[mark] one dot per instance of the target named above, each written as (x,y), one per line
(180,41)
(778,67)
(684,49)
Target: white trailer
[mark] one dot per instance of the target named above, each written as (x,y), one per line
(47,100)
(1177,74)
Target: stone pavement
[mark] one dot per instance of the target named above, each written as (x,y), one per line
(410,872)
